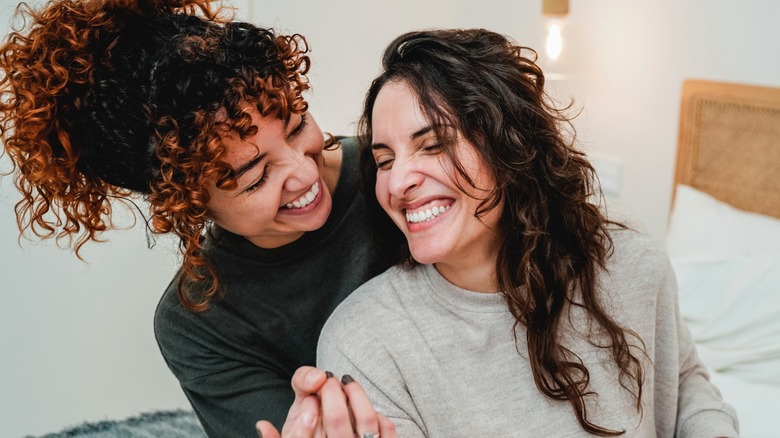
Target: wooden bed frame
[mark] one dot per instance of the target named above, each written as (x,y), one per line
(729,143)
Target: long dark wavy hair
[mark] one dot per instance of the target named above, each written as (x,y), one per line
(554,239)
(102,98)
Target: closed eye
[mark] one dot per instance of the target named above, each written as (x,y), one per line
(259,183)
(383,164)
(298,129)
(434,148)
(383,156)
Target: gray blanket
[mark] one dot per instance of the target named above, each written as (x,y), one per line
(167,424)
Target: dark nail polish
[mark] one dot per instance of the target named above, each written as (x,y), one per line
(328,374)
(346,379)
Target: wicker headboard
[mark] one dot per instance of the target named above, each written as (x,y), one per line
(729,144)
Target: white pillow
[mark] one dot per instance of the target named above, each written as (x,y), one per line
(704,227)
(728,269)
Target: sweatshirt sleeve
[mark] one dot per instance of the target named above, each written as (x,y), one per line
(701,411)
(229,396)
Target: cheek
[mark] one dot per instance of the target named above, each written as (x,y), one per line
(382,192)
(315,142)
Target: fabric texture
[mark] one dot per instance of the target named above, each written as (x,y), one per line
(444,362)
(235,360)
(168,424)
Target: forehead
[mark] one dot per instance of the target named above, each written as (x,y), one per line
(270,131)
(397,107)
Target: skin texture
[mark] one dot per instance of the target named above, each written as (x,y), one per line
(414,175)
(283,160)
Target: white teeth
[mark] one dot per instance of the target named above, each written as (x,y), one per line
(426,215)
(306,199)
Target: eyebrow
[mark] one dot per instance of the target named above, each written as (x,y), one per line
(249,165)
(416,134)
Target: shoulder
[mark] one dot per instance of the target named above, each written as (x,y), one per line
(385,298)
(166,315)
(638,273)
(171,318)
(636,251)
(638,288)
(370,331)
(179,332)
(383,293)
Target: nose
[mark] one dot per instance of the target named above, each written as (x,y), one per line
(404,178)
(301,168)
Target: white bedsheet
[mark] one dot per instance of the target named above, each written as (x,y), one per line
(757,405)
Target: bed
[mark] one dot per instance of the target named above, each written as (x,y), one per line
(724,242)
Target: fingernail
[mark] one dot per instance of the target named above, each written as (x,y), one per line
(257,428)
(328,374)
(346,379)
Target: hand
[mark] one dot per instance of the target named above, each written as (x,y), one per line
(303,418)
(351,413)
(338,410)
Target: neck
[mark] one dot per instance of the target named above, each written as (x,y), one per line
(477,274)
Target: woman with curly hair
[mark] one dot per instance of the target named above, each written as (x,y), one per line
(205,118)
(519,309)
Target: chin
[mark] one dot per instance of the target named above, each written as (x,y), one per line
(426,256)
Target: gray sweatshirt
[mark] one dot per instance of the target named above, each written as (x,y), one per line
(441,361)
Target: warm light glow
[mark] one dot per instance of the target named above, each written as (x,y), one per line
(554,42)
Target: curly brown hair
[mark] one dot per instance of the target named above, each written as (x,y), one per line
(103,98)
(554,239)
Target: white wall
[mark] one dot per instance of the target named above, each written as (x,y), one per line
(76,339)
(633,57)
(626,62)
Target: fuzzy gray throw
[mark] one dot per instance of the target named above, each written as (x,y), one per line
(163,424)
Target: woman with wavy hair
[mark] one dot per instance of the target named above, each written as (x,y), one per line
(205,118)
(519,308)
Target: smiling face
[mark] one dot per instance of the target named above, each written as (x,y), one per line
(417,186)
(284,184)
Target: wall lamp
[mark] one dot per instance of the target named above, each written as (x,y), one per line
(555,12)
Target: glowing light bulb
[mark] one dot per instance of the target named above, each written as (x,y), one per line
(554,41)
